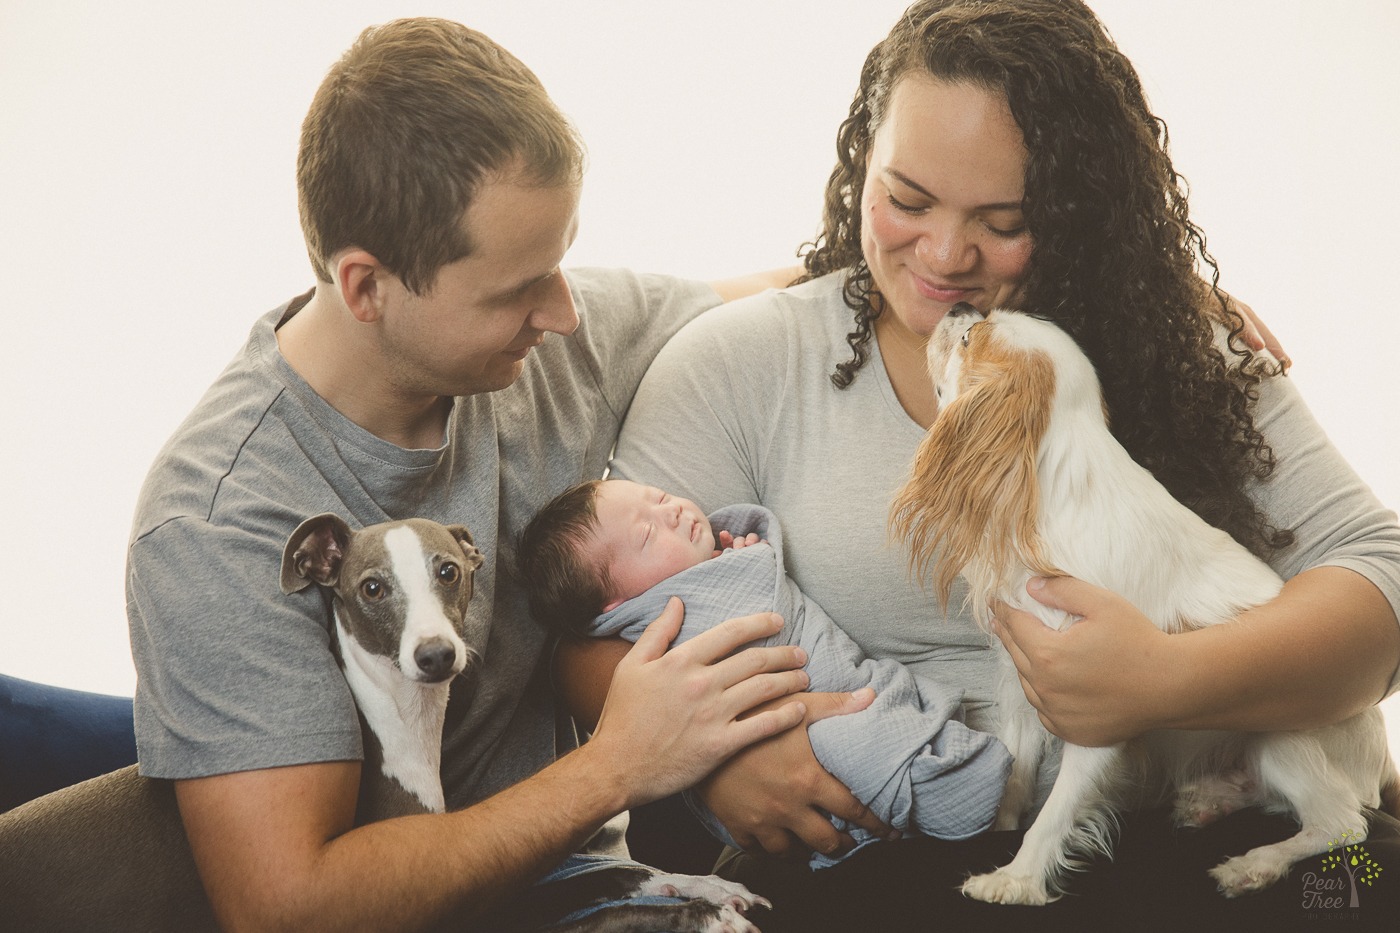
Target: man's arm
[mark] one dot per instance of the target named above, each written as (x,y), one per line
(743,286)
(277,850)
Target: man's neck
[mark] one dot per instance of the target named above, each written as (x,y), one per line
(330,350)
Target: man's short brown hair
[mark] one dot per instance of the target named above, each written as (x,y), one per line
(403,131)
(567,581)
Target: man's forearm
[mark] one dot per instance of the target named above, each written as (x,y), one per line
(468,862)
(399,874)
(276,850)
(743,286)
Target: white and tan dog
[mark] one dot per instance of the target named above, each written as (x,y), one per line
(1019,476)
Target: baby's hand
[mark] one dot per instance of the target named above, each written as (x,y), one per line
(724,541)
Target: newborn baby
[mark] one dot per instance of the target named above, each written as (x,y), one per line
(604,557)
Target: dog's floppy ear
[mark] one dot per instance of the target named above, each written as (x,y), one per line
(315,552)
(464,538)
(973,491)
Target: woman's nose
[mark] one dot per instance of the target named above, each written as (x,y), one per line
(945,248)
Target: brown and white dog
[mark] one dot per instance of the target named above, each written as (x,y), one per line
(1019,476)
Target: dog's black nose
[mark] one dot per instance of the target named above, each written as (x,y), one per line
(435,658)
(961,308)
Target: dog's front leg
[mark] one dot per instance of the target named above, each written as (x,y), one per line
(1021,732)
(1076,818)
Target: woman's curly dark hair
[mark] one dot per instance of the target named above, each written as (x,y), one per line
(1114,256)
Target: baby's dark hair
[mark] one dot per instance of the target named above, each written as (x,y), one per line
(566,589)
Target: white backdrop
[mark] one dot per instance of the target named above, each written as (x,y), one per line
(148,211)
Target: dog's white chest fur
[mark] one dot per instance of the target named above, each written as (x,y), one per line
(406,717)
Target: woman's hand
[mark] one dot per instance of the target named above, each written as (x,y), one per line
(1101,680)
(774,796)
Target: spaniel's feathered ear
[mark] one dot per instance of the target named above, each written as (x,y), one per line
(973,493)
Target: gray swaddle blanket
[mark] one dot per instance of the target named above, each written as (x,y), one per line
(908,756)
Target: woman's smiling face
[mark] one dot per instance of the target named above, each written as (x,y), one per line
(942,218)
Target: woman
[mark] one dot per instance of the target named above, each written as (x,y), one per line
(1002,153)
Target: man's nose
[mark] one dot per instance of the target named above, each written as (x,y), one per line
(556,312)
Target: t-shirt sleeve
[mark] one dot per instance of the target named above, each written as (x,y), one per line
(232,674)
(625,319)
(701,421)
(1336,520)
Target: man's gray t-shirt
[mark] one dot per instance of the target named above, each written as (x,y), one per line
(234,676)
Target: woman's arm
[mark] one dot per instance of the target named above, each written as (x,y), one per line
(1326,648)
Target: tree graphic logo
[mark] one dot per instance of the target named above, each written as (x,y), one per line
(1347,854)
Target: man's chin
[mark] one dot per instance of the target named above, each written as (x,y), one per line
(495,379)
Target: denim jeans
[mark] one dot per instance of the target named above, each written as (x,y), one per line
(51,737)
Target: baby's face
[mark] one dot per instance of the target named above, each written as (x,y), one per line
(646,536)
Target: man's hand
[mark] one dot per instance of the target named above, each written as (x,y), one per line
(775,796)
(1101,680)
(672,715)
(1257,335)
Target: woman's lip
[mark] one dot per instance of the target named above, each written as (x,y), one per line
(939,292)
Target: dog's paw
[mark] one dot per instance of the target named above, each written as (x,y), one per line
(1253,871)
(1200,803)
(731,920)
(1002,887)
(711,888)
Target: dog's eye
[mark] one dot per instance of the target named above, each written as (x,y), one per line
(373,590)
(448,573)
(967,335)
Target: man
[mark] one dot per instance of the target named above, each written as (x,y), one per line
(443,367)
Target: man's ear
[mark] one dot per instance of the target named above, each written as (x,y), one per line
(315,553)
(362,279)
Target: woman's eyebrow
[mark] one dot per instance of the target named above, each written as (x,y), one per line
(908,182)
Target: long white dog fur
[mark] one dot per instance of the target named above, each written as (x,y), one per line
(1019,476)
